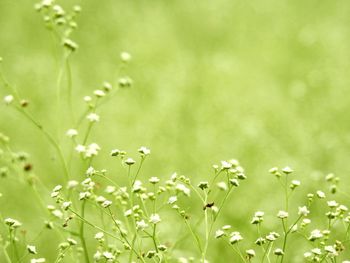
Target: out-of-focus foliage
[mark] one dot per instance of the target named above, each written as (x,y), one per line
(265,82)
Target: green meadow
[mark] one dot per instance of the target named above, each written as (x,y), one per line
(263,82)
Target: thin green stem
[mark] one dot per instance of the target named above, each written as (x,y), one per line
(81,233)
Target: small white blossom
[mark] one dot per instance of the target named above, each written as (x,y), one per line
(235,237)
(99,236)
(99,93)
(182,188)
(72,242)
(90,171)
(332,204)
(316,251)
(87,99)
(57,213)
(71,133)
(141,225)
(278,252)
(31,249)
(320,194)
(93,117)
(222,186)
(80,148)
(225,165)
(72,183)
(303,211)
(331,250)
(250,253)
(172,199)
(8,99)
(108,255)
(66,205)
(37,260)
(287,170)
(154,219)
(219,233)
(125,56)
(315,234)
(84,195)
(143,150)
(154,180)
(12,222)
(282,214)
(129,161)
(92,150)
(106,204)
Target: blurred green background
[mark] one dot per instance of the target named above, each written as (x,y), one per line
(265,82)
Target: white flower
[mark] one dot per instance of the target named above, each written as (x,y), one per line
(137,187)
(92,150)
(182,188)
(294,184)
(222,186)
(90,171)
(66,205)
(332,204)
(8,99)
(225,165)
(316,251)
(219,233)
(80,148)
(259,214)
(315,234)
(37,260)
(125,56)
(87,99)
(72,133)
(12,223)
(84,195)
(93,117)
(108,255)
(226,227)
(99,93)
(273,170)
(72,242)
(342,208)
(99,236)
(143,150)
(305,221)
(97,256)
(250,253)
(154,180)
(31,249)
(72,183)
(106,204)
(141,225)
(303,211)
(321,194)
(278,252)
(57,213)
(110,189)
(154,219)
(57,188)
(235,237)
(129,161)
(128,213)
(172,199)
(282,214)
(331,250)
(287,170)
(107,86)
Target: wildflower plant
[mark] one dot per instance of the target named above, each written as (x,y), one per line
(99,216)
